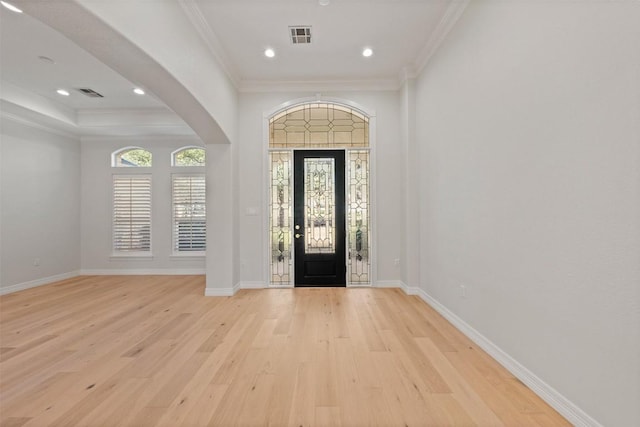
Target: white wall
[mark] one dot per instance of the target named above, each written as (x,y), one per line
(221,223)
(388,178)
(97,194)
(412,167)
(528,121)
(40,209)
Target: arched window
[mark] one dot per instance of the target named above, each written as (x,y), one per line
(319,125)
(188,156)
(131,157)
(189,202)
(131,232)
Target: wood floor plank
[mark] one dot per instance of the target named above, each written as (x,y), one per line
(202,411)
(327,416)
(303,406)
(153,351)
(459,385)
(500,403)
(15,422)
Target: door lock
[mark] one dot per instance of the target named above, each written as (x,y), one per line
(298,235)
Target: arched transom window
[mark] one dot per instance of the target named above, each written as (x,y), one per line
(131,157)
(319,125)
(188,156)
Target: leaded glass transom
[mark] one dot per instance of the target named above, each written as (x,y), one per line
(319,125)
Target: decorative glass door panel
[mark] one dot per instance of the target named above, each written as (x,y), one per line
(358,215)
(280,218)
(319,218)
(320,203)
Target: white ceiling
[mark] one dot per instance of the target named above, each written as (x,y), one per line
(23,39)
(402,34)
(396,30)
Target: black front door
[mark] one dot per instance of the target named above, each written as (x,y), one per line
(319,218)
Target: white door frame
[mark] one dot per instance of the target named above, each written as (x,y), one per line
(371,115)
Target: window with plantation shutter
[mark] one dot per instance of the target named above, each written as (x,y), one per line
(189,213)
(131,214)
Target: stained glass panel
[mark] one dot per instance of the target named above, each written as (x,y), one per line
(358,216)
(280,217)
(319,197)
(319,125)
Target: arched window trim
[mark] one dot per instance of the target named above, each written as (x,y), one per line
(365,111)
(115,154)
(186,147)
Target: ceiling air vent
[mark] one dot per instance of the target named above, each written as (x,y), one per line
(90,93)
(300,35)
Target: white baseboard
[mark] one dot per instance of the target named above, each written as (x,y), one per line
(388,284)
(222,292)
(253,285)
(145,271)
(564,406)
(409,290)
(38,282)
(218,292)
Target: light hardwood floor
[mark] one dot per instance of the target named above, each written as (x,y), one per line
(153,351)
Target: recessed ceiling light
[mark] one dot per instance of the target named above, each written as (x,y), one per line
(10,7)
(323,2)
(138,91)
(63,92)
(367,52)
(269,53)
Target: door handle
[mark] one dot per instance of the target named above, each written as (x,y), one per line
(298,235)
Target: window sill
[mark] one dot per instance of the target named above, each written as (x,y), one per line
(131,257)
(188,256)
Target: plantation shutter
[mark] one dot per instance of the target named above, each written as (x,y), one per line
(189,213)
(132,213)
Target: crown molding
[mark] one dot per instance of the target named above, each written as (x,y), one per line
(128,123)
(143,117)
(249,86)
(27,102)
(407,73)
(39,122)
(451,15)
(134,111)
(35,125)
(187,140)
(195,15)
(103,123)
